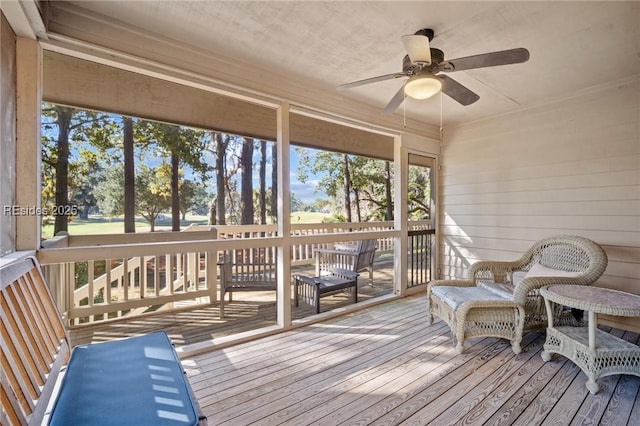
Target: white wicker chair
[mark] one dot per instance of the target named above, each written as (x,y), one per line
(502,299)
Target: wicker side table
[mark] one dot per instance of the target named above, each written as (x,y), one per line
(596,352)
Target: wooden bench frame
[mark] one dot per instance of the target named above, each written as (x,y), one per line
(35,346)
(250,269)
(347,258)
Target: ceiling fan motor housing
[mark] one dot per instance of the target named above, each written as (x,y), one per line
(410,68)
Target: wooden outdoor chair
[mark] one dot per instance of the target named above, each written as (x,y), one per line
(502,298)
(346,259)
(250,269)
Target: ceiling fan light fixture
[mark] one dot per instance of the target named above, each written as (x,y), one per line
(422,86)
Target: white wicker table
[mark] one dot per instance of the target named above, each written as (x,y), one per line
(596,352)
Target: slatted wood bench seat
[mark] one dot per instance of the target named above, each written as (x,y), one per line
(134,381)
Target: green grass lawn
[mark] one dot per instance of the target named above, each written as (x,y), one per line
(308,217)
(102,225)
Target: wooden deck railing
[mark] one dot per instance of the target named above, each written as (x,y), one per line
(100,277)
(420,266)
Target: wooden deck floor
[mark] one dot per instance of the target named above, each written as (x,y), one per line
(385,366)
(248,311)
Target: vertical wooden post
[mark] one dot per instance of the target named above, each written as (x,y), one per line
(28,156)
(284,218)
(400,216)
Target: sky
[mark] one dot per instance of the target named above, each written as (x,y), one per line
(305,192)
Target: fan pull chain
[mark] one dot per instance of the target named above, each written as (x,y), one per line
(404,106)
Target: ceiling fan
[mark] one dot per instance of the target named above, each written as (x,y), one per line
(422,65)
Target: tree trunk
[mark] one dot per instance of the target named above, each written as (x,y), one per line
(387,188)
(84,214)
(347,189)
(62,168)
(175,192)
(220,189)
(356,196)
(263,182)
(212,212)
(129,177)
(246,189)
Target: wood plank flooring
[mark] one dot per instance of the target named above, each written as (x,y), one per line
(385,366)
(248,311)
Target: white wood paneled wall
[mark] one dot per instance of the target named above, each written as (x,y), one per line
(569,167)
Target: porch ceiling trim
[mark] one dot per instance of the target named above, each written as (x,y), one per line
(93,29)
(24,18)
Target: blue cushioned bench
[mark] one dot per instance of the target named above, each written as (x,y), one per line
(134,381)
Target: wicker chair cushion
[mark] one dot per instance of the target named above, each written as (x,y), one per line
(539,270)
(504,290)
(455,296)
(518,276)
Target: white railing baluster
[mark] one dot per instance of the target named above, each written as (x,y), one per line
(211,274)
(107,293)
(185,272)
(188,263)
(90,272)
(169,273)
(125,279)
(70,278)
(156,275)
(143,277)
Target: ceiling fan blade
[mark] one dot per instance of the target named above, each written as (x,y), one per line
(503,57)
(370,80)
(417,46)
(457,91)
(395,102)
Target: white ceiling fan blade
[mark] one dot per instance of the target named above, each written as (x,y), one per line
(370,80)
(395,102)
(417,46)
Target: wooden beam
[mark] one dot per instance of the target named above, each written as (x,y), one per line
(28,157)
(7,136)
(25,18)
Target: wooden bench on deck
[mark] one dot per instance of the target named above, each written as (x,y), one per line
(250,269)
(134,381)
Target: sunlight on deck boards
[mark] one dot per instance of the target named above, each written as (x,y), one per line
(248,311)
(385,366)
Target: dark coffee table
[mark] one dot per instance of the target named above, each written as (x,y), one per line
(311,289)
